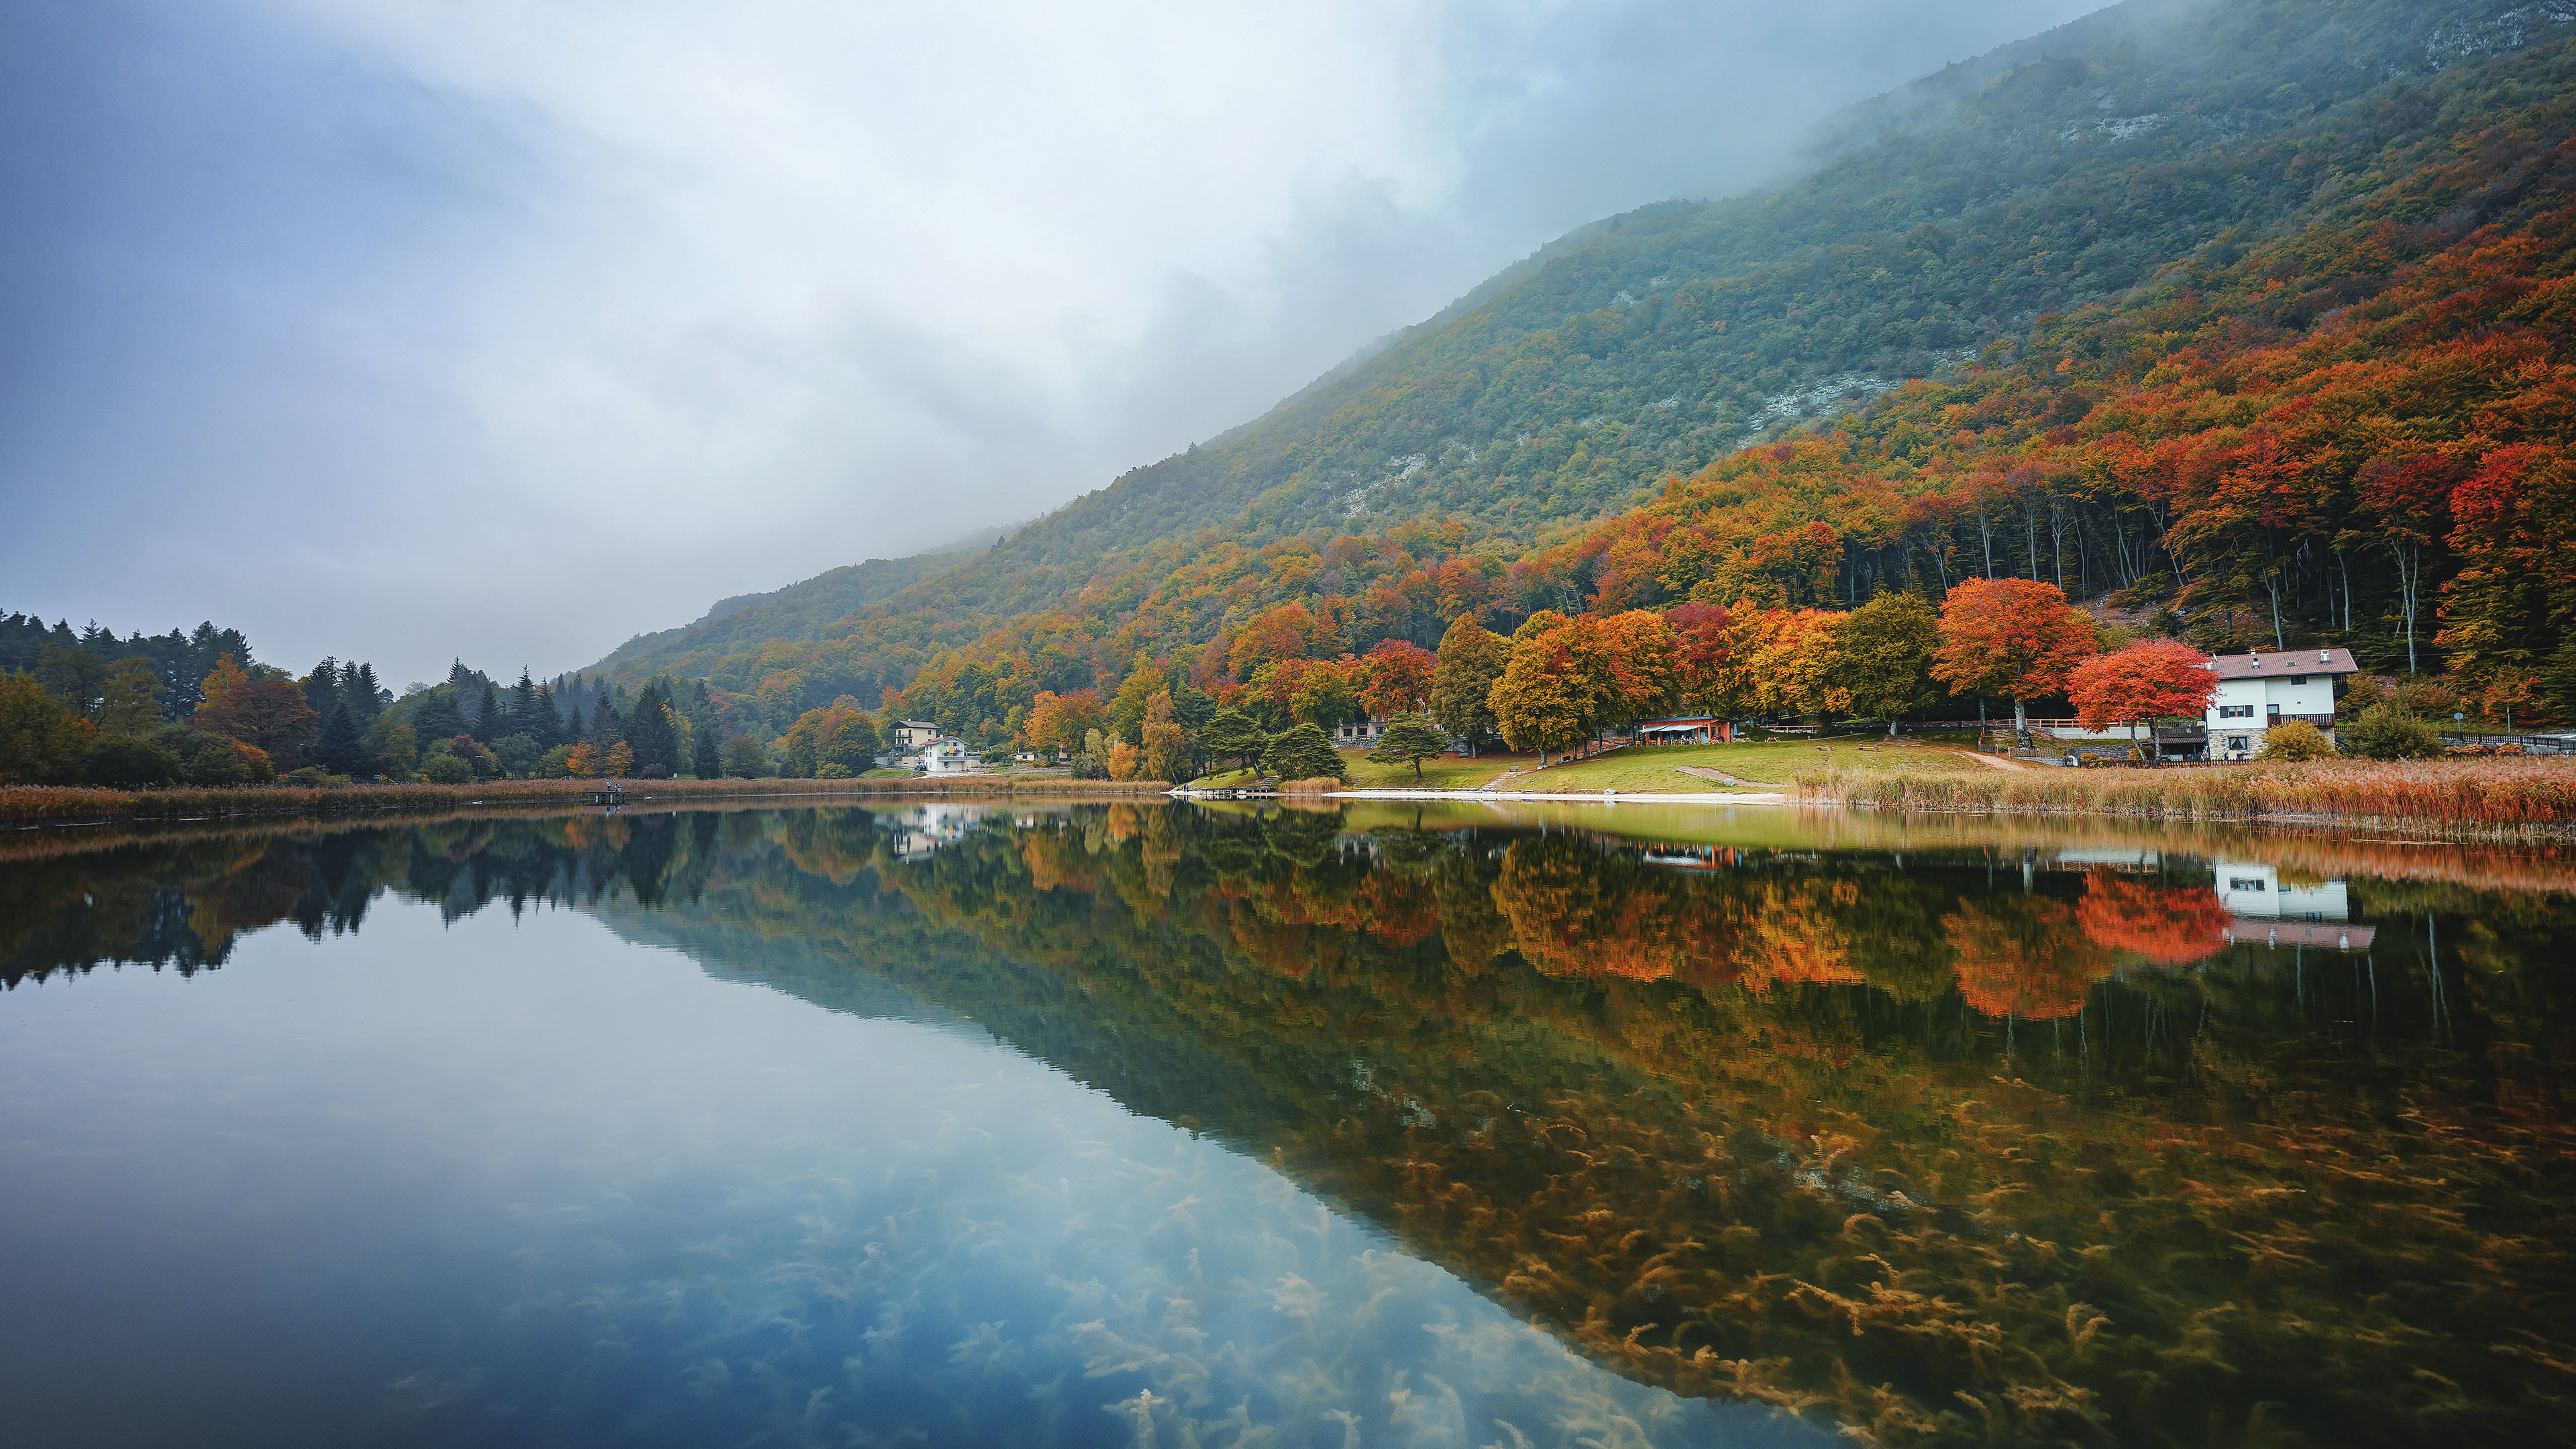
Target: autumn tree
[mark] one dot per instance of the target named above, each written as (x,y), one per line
(839,737)
(1636,650)
(1551,690)
(1409,739)
(1703,656)
(266,713)
(1471,659)
(2160,679)
(2513,602)
(1135,696)
(1399,678)
(2012,637)
(1883,656)
(1784,659)
(1326,692)
(1166,745)
(2408,495)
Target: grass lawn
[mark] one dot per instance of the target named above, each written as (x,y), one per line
(1770,765)
(1449,772)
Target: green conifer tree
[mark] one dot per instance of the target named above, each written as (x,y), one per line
(339,749)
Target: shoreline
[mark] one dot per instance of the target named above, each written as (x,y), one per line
(40,807)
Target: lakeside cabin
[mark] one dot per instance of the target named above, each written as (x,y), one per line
(1685,729)
(2259,691)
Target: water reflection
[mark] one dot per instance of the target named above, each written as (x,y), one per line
(1960,1131)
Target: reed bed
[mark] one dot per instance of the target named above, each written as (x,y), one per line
(2458,797)
(80,804)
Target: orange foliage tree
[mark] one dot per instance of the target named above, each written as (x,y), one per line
(267,714)
(2159,679)
(1399,678)
(2013,637)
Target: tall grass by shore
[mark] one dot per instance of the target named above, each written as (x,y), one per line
(75,804)
(2460,798)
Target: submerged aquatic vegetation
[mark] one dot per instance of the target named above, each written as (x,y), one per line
(1951,1143)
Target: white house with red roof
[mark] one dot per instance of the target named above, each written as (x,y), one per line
(2257,691)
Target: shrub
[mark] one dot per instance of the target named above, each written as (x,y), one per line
(2297,740)
(129,763)
(554,764)
(1088,766)
(204,759)
(832,771)
(442,768)
(314,777)
(657,771)
(2425,697)
(2388,732)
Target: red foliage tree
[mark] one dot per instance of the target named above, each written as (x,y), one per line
(1399,678)
(1703,651)
(2156,680)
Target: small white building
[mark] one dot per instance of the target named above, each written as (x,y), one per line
(1352,736)
(2258,691)
(912,734)
(946,756)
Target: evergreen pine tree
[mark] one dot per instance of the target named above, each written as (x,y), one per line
(546,724)
(339,748)
(709,760)
(435,717)
(649,730)
(523,705)
(359,691)
(489,723)
(322,687)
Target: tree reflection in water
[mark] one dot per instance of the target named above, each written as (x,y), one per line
(1962,1143)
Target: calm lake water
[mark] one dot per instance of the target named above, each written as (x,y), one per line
(1180,1125)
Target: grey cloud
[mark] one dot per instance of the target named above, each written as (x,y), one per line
(373,342)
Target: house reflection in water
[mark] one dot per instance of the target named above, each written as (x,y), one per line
(2272,912)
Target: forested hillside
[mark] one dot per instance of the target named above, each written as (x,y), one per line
(799,611)
(2256,312)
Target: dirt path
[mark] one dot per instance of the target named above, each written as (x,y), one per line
(1703,772)
(1995,761)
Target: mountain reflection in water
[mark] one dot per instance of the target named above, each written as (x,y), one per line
(1932,1133)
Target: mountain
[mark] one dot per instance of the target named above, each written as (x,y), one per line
(1993,286)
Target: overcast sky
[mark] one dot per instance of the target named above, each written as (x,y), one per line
(509,329)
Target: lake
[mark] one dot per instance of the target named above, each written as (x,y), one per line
(1224,1126)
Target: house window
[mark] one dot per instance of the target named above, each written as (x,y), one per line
(2236,711)
(2298,679)
(2240,883)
